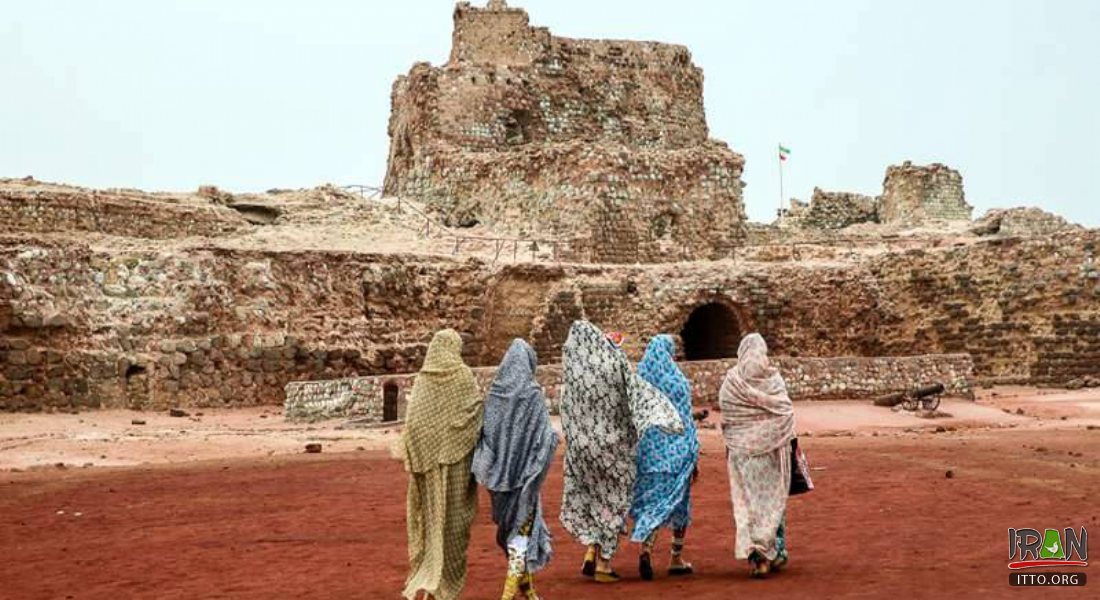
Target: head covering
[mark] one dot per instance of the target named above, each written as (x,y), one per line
(757,414)
(669,453)
(443,419)
(515,452)
(605,407)
(665,461)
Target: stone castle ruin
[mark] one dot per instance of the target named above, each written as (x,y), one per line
(602,144)
(327,299)
(912,195)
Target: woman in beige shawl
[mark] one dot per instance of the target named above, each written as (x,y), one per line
(758,424)
(442,425)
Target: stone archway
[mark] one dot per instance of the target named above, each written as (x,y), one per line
(711,331)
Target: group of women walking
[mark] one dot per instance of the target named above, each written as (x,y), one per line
(631,452)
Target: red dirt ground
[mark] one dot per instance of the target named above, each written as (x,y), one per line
(884,521)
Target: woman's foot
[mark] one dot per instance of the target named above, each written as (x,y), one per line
(588,569)
(678,566)
(760,566)
(609,576)
(780,560)
(645,566)
(511,586)
(604,572)
(527,587)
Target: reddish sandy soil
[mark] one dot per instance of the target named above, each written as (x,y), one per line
(884,521)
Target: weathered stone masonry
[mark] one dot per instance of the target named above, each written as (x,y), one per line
(807,379)
(604,143)
(912,195)
(213,327)
(39,211)
(120,298)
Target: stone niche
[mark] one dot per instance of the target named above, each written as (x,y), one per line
(602,143)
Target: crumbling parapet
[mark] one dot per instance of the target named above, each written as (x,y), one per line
(912,195)
(830,210)
(1022,221)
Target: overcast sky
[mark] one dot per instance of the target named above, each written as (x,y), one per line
(254,94)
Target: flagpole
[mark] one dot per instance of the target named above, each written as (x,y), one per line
(780,157)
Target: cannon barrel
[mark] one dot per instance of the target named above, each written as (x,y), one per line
(928,390)
(890,399)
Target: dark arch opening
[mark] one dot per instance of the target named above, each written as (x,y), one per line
(389,401)
(712,331)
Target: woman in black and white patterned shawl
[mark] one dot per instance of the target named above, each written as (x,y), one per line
(605,408)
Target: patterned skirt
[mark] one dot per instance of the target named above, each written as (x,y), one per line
(660,499)
(759,487)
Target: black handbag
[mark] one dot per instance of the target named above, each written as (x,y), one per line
(800,471)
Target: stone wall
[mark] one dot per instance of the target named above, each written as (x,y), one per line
(212,327)
(34,210)
(807,379)
(153,329)
(830,210)
(914,194)
(1021,221)
(600,141)
(1028,310)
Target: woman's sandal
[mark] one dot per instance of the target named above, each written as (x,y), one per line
(645,566)
(607,576)
(760,566)
(780,560)
(684,569)
(588,569)
(527,588)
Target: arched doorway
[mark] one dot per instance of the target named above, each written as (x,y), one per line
(389,401)
(711,331)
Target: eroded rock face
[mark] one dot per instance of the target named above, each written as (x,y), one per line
(602,141)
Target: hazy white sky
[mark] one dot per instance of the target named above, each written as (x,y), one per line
(255,94)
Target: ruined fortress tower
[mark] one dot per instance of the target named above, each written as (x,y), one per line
(601,143)
(914,194)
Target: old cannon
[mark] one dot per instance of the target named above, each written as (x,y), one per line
(922,398)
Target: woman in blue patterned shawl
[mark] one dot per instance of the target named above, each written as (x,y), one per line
(666,463)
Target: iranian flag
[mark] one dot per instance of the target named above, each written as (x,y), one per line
(783,152)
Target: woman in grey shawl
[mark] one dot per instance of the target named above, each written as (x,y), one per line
(511,460)
(758,424)
(605,408)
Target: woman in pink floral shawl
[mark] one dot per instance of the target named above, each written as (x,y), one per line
(758,425)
